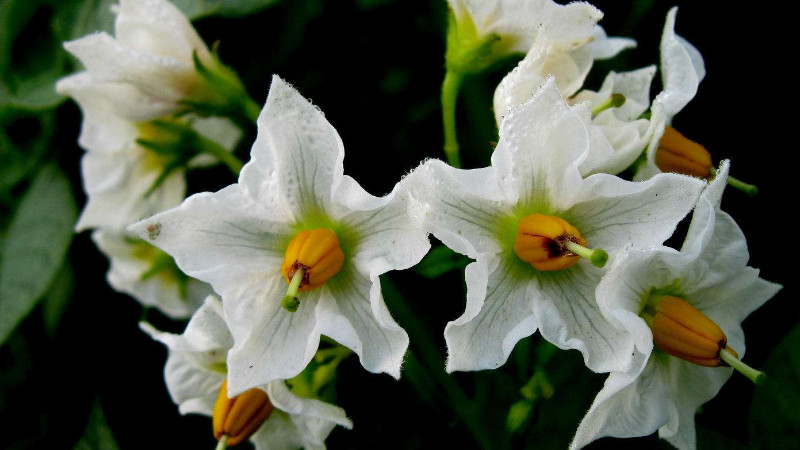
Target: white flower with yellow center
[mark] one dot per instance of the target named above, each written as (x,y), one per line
(271,416)
(528,221)
(149,275)
(295,219)
(684,309)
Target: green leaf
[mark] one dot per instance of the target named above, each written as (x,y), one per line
(33,94)
(35,245)
(195,9)
(775,413)
(98,435)
(439,261)
(57,298)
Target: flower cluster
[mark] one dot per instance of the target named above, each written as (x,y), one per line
(295,249)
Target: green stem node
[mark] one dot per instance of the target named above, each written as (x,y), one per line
(450,87)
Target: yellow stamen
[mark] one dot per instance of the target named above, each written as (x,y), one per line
(683,331)
(550,243)
(317,253)
(239,417)
(679,154)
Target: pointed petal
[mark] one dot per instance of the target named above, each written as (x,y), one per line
(541,144)
(569,317)
(604,47)
(222,238)
(498,314)
(630,404)
(463,207)
(390,237)
(682,68)
(270,342)
(615,214)
(354,314)
(295,157)
(285,400)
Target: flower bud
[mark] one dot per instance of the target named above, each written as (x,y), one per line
(541,242)
(241,416)
(315,251)
(681,330)
(676,153)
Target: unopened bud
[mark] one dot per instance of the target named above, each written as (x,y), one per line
(679,154)
(241,416)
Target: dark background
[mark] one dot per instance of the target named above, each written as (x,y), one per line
(375,67)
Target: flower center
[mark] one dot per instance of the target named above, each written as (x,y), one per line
(683,331)
(236,419)
(679,154)
(312,258)
(550,243)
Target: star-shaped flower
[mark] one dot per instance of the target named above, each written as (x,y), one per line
(195,374)
(295,218)
(526,219)
(149,275)
(655,288)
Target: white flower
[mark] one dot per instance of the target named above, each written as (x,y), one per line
(515,23)
(682,70)
(149,61)
(244,240)
(195,371)
(659,391)
(483,214)
(149,275)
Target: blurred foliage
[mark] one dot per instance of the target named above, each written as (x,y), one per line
(374,67)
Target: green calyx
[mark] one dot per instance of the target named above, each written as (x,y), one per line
(317,380)
(162,265)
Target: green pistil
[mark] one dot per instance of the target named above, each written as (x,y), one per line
(750,189)
(756,376)
(597,256)
(615,101)
(290,301)
(222,444)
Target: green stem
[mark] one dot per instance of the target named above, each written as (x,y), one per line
(450,88)
(756,376)
(750,189)
(229,159)
(223,442)
(251,109)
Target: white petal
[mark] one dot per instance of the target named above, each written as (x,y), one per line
(223,238)
(569,317)
(295,157)
(615,214)
(541,144)
(634,85)
(285,400)
(388,236)
(130,259)
(192,388)
(464,206)
(277,433)
(498,314)
(118,183)
(631,404)
(159,28)
(353,313)
(682,68)
(604,47)
(270,342)
(110,62)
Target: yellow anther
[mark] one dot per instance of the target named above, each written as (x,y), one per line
(317,253)
(241,416)
(679,154)
(541,242)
